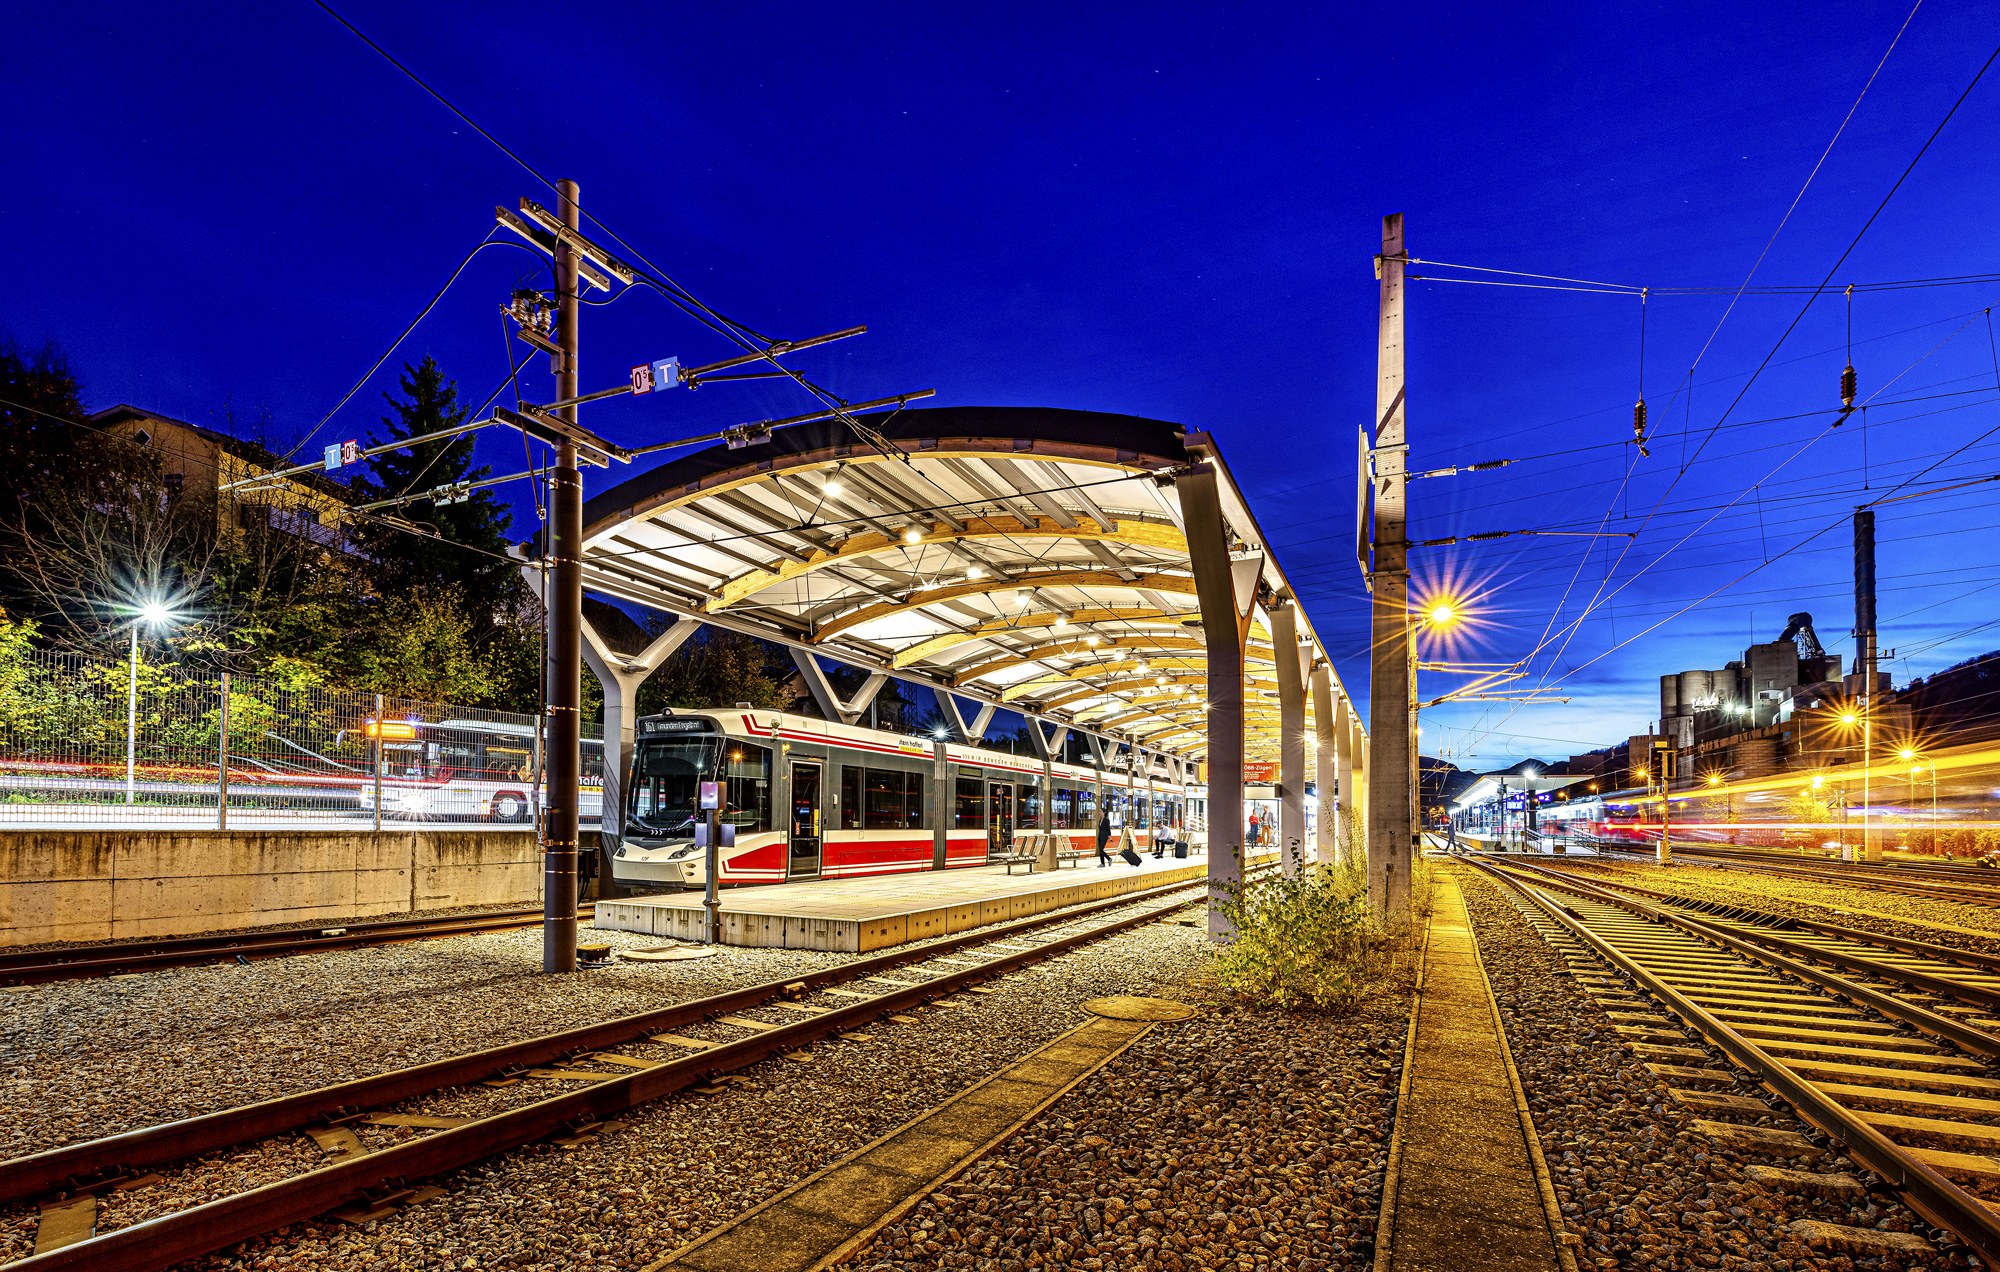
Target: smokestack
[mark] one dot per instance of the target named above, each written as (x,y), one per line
(1864,599)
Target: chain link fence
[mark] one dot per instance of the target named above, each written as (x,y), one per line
(99,743)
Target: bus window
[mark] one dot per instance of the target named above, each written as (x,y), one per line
(508,764)
(850,797)
(970,804)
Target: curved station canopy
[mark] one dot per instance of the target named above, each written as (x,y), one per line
(1031,559)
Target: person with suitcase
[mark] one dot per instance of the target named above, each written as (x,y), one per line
(1103,837)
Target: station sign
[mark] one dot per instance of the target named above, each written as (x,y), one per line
(404,729)
(341,454)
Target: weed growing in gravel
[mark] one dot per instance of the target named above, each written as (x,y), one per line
(1311,941)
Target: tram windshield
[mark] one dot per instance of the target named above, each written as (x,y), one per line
(665,777)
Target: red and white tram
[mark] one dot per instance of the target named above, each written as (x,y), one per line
(810,798)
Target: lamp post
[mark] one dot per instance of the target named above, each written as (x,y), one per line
(1439,615)
(1728,804)
(156,614)
(1864,715)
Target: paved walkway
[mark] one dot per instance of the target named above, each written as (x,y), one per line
(858,915)
(1467,1196)
(873,896)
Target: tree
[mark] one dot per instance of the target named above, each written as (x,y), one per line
(471,553)
(39,390)
(417,645)
(718,668)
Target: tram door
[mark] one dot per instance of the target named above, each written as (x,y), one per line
(999,817)
(806,836)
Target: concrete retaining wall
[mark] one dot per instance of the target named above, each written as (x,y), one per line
(100,885)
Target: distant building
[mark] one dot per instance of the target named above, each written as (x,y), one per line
(198,462)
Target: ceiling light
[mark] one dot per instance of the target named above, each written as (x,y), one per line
(831,487)
(975,573)
(1090,641)
(1062,621)
(913,535)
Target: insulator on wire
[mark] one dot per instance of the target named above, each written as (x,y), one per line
(1847,387)
(1639,419)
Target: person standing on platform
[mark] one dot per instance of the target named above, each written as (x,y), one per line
(1103,837)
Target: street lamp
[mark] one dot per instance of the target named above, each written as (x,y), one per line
(154,614)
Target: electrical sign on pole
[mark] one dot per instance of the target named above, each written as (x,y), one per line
(664,374)
(341,454)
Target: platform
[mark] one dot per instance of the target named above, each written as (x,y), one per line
(855,916)
(1468,1190)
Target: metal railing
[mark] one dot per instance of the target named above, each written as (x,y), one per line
(90,743)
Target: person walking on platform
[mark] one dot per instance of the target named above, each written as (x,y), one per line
(1103,837)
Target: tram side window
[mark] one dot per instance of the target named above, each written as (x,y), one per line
(1059,810)
(1086,808)
(749,793)
(887,798)
(850,797)
(970,811)
(914,815)
(1029,809)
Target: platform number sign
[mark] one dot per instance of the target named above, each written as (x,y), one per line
(664,374)
(342,454)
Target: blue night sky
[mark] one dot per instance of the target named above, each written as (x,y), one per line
(1167,212)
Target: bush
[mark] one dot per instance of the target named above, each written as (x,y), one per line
(1313,941)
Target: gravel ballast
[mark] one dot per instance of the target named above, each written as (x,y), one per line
(1236,1137)
(1635,1181)
(1956,924)
(1236,1134)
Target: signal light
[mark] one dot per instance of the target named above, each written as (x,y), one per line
(399,729)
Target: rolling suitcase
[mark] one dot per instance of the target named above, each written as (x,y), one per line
(1131,857)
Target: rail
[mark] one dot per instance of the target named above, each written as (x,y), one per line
(170,1239)
(1922,1186)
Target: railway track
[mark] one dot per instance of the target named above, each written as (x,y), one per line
(592,1083)
(79,962)
(1886,1045)
(1894,879)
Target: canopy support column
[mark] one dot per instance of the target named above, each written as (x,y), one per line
(621,677)
(1225,620)
(1326,766)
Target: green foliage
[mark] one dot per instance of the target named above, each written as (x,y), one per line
(471,554)
(416,645)
(1313,942)
(718,668)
